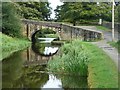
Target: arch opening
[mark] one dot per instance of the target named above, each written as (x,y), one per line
(44,34)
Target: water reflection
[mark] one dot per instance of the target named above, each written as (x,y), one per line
(50,50)
(73,81)
(53,82)
(23,70)
(11,70)
(45,49)
(46,40)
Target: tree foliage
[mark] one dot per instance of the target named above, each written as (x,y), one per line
(11,24)
(118,13)
(34,10)
(77,11)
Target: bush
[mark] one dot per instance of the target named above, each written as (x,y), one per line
(73,60)
(116,44)
(48,31)
(11,24)
(119,13)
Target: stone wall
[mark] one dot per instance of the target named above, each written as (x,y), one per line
(73,32)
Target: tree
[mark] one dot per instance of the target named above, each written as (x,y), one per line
(119,13)
(11,24)
(35,10)
(68,12)
(77,11)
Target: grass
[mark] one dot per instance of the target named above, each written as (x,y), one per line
(116,45)
(102,71)
(73,60)
(51,35)
(10,45)
(60,42)
(102,28)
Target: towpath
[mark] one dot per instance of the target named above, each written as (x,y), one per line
(103,44)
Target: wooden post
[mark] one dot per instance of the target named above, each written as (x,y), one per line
(27,30)
(71,33)
(28,54)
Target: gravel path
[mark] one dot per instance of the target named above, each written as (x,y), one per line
(111,51)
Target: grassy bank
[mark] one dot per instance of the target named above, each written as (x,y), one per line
(79,56)
(102,28)
(102,70)
(73,60)
(10,45)
(116,45)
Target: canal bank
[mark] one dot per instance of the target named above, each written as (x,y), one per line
(29,68)
(102,71)
(10,45)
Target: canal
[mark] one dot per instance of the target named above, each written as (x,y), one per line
(28,69)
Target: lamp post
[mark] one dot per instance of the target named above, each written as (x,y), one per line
(113,36)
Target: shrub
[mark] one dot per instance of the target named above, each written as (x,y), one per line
(48,31)
(73,60)
(11,24)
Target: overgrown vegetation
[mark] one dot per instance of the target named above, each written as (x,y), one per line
(44,32)
(73,60)
(116,45)
(48,31)
(102,28)
(51,35)
(10,45)
(83,58)
(11,24)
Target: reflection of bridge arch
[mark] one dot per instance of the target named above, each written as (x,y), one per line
(38,52)
(34,57)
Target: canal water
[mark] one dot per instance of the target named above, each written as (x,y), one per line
(27,69)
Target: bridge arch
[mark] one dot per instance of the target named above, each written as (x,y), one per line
(67,32)
(33,39)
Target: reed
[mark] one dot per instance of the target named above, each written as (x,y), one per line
(73,60)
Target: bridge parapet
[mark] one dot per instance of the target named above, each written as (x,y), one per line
(67,32)
(82,33)
(42,23)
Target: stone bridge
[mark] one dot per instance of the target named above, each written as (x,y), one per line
(65,31)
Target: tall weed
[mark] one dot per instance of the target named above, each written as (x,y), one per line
(73,60)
